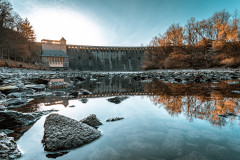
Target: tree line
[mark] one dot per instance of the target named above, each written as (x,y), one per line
(17,36)
(211,42)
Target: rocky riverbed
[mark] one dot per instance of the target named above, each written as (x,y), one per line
(21,89)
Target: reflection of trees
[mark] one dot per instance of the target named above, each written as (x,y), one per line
(196,101)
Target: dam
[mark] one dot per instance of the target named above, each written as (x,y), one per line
(91,58)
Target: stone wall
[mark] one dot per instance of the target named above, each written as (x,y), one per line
(96,58)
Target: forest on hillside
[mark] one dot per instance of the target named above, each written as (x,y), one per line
(17,37)
(211,42)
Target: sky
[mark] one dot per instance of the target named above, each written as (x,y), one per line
(113,22)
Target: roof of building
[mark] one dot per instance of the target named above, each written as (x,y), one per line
(62,39)
(54,53)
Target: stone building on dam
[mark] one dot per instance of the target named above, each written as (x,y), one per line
(91,58)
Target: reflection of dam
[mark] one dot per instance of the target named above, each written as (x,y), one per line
(113,86)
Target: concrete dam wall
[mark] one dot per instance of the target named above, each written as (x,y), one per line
(101,58)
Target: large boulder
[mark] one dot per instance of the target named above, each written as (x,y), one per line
(8,147)
(91,120)
(61,133)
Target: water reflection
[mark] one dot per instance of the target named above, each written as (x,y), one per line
(219,105)
(217,102)
(147,132)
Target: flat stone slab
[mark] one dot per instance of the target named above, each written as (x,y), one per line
(63,133)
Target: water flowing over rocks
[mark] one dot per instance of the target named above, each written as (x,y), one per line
(8,148)
(62,133)
(91,120)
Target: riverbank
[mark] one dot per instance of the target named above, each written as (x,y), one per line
(15,64)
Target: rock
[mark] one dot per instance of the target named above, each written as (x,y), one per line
(233,82)
(6,131)
(85,92)
(73,94)
(71,106)
(39,87)
(13,119)
(39,81)
(58,93)
(91,120)
(2,108)
(226,115)
(80,79)
(62,133)
(236,91)
(117,100)
(15,102)
(2,96)
(55,155)
(8,147)
(1,82)
(21,86)
(38,94)
(8,89)
(114,119)
(16,95)
(84,100)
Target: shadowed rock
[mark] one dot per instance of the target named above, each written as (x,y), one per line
(85,92)
(84,100)
(117,100)
(226,115)
(13,119)
(8,89)
(62,133)
(73,94)
(8,147)
(39,81)
(114,119)
(55,155)
(91,120)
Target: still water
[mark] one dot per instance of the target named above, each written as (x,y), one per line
(162,121)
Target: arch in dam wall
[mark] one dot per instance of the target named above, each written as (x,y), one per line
(105,58)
